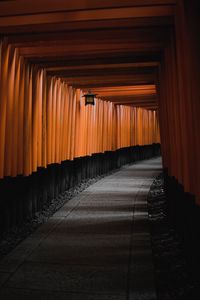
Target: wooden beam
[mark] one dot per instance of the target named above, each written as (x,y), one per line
(127,93)
(128,34)
(102,72)
(108,83)
(18,7)
(150,104)
(76,50)
(135,99)
(94,25)
(95,59)
(125,88)
(103,66)
(87,15)
(112,79)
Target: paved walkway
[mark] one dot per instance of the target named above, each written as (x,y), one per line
(96,247)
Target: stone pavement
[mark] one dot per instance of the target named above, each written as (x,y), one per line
(96,247)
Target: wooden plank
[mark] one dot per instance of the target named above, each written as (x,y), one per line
(127,34)
(20,151)
(16,115)
(20,6)
(49,120)
(28,119)
(76,50)
(155,22)
(44,119)
(91,59)
(103,66)
(4,61)
(35,116)
(100,14)
(9,113)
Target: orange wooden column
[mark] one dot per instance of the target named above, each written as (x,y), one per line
(45,121)
(3,102)
(179,99)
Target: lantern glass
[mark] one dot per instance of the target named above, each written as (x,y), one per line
(89,98)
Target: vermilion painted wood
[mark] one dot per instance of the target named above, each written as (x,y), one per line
(72,129)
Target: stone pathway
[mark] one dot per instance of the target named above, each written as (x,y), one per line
(97,246)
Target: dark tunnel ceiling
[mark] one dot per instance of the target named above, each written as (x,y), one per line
(113,47)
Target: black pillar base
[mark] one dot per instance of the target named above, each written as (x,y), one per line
(184,215)
(22,197)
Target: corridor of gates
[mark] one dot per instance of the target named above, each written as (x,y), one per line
(99,149)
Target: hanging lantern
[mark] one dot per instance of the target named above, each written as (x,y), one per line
(89,98)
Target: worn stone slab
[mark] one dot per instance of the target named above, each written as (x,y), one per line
(11,261)
(104,250)
(30,294)
(141,273)
(70,278)
(70,205)
(3,277)
(99,223)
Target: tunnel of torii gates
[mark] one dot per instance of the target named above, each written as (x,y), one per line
(141,58)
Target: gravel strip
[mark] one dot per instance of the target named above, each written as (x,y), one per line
(173,281)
